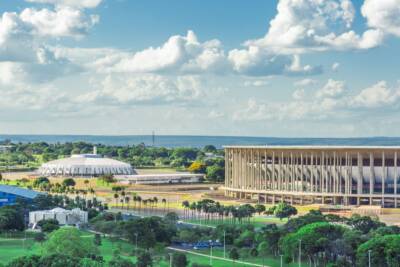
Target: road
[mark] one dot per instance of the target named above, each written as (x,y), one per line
(215,257)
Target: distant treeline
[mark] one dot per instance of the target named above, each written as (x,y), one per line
(208,160)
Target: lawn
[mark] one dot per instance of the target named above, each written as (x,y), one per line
(257,221)
(14,247)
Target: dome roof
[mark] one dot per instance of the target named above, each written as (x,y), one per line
(85,165)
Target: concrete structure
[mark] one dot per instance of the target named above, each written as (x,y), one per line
(86,165)
(170,178)
(346,175)
(64,217)
(9,194)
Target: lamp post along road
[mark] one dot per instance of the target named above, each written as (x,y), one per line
(281,260)
(170,259)
(300,253)
(369,258)
(211,254)
(224,245)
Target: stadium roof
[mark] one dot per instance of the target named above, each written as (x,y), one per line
(19,191)
(85,165)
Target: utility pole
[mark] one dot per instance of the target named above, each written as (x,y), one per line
(224,245)
(170,259)
(300,253)
(136,247)
(369,258)
(281,260)
(210,254)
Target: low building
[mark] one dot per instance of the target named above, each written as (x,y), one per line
(9,194)
(63,216)
(165,178)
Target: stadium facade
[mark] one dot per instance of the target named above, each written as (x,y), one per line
(337,175)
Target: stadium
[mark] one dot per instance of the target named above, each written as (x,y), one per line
(337,175)
(85,165)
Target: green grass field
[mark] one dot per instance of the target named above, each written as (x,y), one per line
(258,221)
(11,248)
(14,247)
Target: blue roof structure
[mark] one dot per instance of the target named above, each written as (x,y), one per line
(18,191)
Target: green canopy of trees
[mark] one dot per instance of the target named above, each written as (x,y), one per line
(67,241)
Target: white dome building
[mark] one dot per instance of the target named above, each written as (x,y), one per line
(86,165)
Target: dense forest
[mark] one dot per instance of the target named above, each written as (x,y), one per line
(28,156)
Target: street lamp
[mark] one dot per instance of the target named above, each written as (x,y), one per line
(300,253)
(211,254)
(369,258)
(281,260)
(224,244)
(170,259)
(136,247)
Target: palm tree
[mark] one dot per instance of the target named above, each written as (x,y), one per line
(185,205)
(127,200)
(123,197)
(164,201)
(86,182)
(139,200)
(116,196)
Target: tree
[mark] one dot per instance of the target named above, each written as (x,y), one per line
(197,167)
(97,240)
(69,182)
(107,178)
(144,260)
(48,225)
(11,218)
(179,260)
(120,262)
(364,223)
(39,237)
(41,181)
(385,251)
(284,210)
(234,254)
(210,149)
(259,208)
(215,173)
(68,241)
(171,217)
(315,238)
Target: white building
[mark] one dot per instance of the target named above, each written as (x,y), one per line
(85,165)
(64,217)
(169,178)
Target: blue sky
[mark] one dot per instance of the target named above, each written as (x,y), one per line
(260,68)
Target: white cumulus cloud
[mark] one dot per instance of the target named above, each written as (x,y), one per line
(383,15)
(70,3)
(315,25)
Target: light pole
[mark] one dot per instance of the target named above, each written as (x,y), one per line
(300,253)
(281,260)
(224,244)
(136,237)
(210,254)
(369,258)
(170,259)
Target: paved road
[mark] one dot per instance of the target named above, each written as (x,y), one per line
(215,257)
